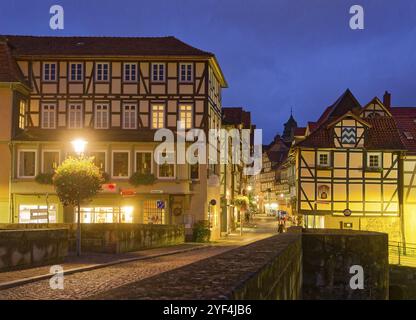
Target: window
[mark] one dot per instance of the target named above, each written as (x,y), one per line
(373,160)
(120,164)
(22,114)
(129,116)
(27,164)
(101,72)
(158,72)
(185,116)
(49,71)
(323,159)
(185,70)
(105,214)
(101,116)
(166,165)
(144,162)
(99,159)
(75,116)
(37,213)
(50,161)
(48,116)
(76,72)
(130,72)
(158,116)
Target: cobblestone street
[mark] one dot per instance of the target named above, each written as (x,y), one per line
(84,284)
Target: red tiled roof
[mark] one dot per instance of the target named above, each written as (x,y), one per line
(236,116)
(405,120)
(300,131)
(9,70)
(102,46)
(383,134)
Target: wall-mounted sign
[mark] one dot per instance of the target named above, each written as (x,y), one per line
(348,225)
(323,191)
(347,212)
(127,192)
(160,204)
(156,191)
(109,187)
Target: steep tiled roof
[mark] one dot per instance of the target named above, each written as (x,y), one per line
(405,120)
(236,116)
(9,70)
(300,131)
(383,134)
(102,46)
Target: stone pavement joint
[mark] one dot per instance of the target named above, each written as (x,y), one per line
(88,267)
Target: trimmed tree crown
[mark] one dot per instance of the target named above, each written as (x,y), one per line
(77,179)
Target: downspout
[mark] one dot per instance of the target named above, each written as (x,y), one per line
(11,173)
(401,200)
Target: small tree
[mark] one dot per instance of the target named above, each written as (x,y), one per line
(242,204)
(76,180)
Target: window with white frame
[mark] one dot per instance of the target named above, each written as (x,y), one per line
(75,116)
(76,71)
(130,72)
(101,116)
(102,71)
(185,115)
(324,159)
(129,116)
(158,72)
(48,116)
(143,162)
(27,164)
(374,160)
(120,165)
(50,161)
(186,72)
(166,165)
(22,114)
(158,116)
(49,71)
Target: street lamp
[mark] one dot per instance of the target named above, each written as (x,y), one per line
(79,148)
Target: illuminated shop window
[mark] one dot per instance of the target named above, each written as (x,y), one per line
(105,214)
(37,214)
(153,212)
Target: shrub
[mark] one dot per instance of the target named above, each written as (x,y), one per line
(138,178)
(201,231)
(106,177)
(44,178)
(241,202)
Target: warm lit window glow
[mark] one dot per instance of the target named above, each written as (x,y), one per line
(22,114)
(144,162)
(185,116)
(158,116)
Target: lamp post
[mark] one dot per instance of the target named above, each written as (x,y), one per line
(79,148)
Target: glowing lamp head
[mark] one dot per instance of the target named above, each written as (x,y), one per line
(249,188)
(79,145)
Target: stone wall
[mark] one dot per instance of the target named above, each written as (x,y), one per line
(115,237)
(269,269)
(32,247)
(402,283)
(329,254)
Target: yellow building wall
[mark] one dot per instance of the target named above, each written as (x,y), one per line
(6,103)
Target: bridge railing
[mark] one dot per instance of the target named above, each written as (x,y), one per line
(402,255)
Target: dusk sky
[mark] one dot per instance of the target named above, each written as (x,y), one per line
(275,54)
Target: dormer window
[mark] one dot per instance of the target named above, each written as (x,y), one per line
(324,159)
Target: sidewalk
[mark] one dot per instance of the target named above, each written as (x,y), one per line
(89,261)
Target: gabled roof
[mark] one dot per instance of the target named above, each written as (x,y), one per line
(346,115)
(9,70)
(383,133)
(236,116)
(376,100)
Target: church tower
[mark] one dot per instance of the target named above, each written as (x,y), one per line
(289,128)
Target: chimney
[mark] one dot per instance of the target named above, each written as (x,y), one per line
(387,99)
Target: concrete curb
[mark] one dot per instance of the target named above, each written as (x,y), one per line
(19,282)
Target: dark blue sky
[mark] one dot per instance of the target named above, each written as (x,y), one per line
(276,54)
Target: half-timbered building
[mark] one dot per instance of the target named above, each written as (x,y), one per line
(355,168)
(115,93)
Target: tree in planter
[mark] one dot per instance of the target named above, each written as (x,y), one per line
(242,204)
(76,180)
